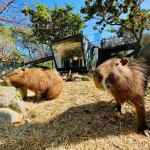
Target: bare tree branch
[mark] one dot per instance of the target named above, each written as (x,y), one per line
(12,1)
(6,20)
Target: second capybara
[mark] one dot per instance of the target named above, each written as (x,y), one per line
(126,80)
(45,83)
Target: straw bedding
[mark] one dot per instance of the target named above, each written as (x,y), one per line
(82,118)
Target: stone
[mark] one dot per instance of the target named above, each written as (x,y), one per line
(12,107)
(9,116)
(7,94)
(17,105)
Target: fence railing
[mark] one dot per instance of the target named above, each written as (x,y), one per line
(6,67)
(115,41)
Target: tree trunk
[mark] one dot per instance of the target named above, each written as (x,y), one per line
(136,49)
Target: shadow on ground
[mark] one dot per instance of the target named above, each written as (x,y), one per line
(77,124)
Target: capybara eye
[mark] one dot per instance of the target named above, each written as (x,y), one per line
(117,64)
(100,77)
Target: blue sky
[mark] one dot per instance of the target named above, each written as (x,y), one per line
(78,4)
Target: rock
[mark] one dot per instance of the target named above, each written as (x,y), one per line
(7,94)
(9,116)
(17,105)
(12,108)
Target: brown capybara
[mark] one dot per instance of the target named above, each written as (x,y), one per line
(126,80)
(46,84)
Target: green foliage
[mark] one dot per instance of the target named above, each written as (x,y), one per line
(24,40)
(8,50)
(47,64)
(125,14)
(27,44)
(110,12)
(50,24)
(22,34)
(146,14)
(16,56)
(7,43)
(6,32)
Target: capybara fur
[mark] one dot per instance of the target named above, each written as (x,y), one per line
(46,84)
(144,53)
(126,80)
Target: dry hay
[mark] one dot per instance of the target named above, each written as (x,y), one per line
(81,119)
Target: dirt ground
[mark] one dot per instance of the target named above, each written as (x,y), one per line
(82,118)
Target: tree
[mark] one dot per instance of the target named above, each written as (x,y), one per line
(10,15)
(125,14)
(126,34)
(50,24)
(7,43)
(16,56)
(8,50)
(26,43)
(10,12)
(3,7)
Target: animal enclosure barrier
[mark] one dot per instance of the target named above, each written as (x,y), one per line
(74,53)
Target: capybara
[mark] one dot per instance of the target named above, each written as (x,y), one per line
(126,80)
(46,84)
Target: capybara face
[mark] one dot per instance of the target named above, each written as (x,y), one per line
(14,76)
(106,74)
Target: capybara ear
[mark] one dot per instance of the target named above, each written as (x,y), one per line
(23,69)
(124,61)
